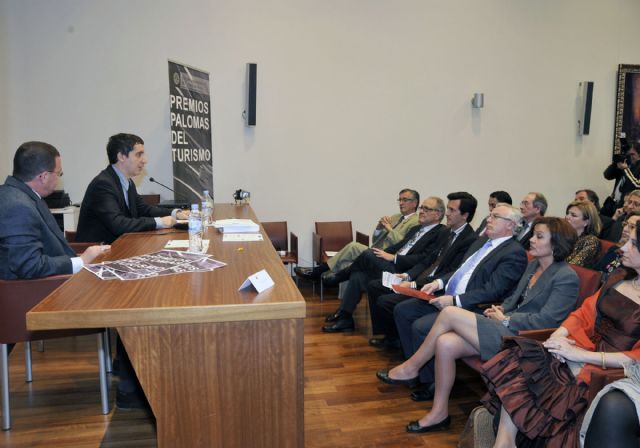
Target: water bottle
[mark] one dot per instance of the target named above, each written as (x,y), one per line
(207,198)
(195,230)
(206,214)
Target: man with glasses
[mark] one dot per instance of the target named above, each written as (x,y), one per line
(421,241)
(388,231)
(490,271)
(31,242)
(461,209)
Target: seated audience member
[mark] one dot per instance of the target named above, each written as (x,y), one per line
(631,204)
(421,242)
(31,242)
(388,231)
(613,418)
(540,389)
(592,196)
(545,295)
(460,211)
(532,207)
(626,172)
(491,270)
(112,205)
(494,198)
(611,260)
(583,217)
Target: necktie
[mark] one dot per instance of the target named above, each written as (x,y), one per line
(407,247)
(434,266)
(468,266)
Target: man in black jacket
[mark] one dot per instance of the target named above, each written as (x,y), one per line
(112,205)
(460,211)
(421,240)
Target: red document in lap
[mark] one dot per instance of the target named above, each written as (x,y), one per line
(413,293)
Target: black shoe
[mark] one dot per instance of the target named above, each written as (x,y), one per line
(311,273)
(383,375)
(385,342)
(414,426)
(335,278)
(334,316)
(126,401)
(344,323)
(424,394)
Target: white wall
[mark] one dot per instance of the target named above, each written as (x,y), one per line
(356,99)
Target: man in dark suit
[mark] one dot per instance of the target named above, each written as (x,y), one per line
(490,271)
(110,208)
(532,206)
(460,211)
(31,243)
(420,241)
(112,205)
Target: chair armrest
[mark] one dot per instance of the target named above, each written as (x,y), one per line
(539,335)
(362,238)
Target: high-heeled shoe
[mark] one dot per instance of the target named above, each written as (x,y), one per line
(414,426)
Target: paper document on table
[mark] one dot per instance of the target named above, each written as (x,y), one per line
(241,237)
(389,279)
(330,253)
(184,244)
(236,225)
(164,262)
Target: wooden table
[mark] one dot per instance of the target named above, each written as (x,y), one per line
(219,367)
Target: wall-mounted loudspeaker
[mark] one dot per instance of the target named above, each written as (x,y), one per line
(584,109)
(252,88)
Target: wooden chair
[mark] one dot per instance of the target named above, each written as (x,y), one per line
(277,233)
(330,236)
(151,199)
(16,298)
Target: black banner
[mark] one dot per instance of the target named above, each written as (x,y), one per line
(191,152)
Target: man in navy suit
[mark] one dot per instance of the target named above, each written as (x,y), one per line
(112,205)
(31,243)
(489,273)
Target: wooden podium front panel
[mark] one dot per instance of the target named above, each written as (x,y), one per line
(227,384)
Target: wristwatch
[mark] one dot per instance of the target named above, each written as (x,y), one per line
(506,321)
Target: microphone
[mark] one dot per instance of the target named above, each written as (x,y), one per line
(151,179)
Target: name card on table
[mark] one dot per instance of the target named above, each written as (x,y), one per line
(260,281)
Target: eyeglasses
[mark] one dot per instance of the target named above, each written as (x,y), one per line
(427,209)
(496,216)
(630,225)
(405,200)
(60,174)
